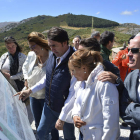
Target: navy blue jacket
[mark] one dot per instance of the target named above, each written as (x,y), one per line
(57,82)
(130,105)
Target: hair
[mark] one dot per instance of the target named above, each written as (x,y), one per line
(131,38)
(85,57)
(106,37)
(58,34)
(95,33)
(79,37)
(10,39)
(91,44)
(39,39)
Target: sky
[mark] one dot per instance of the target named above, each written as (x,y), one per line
(121,11)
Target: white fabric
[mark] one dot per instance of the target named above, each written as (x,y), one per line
(34,72)
(99,109)
(6,66)
(4,63)
(138,90)
(41,84)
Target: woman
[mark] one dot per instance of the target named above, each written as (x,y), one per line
(96,107)
(11,63)
(34,69)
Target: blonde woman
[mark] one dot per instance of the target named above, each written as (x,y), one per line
(96,107)
(34,69)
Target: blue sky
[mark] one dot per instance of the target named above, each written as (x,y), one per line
(122,11)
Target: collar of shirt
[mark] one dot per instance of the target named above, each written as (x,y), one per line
(62,57)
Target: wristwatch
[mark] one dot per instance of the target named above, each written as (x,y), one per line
(118,80)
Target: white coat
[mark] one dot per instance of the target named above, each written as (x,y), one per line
(100,108)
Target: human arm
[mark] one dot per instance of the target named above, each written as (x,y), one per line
(118,59)
(129,111)
(65,115)
(110,111)
(109,76)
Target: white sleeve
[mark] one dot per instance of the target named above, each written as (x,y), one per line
(110,110)
(25,67)
(38,86)
(65,114)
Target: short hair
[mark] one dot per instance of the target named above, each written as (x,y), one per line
(85,57)
(95,33)
(39,39)
(58,34)
(131,38)
(78,36)
(91,44)
(106,37)
(10,39)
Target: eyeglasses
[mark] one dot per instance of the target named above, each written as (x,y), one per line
(32,47)
(134,50)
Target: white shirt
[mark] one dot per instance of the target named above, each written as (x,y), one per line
(41,84)
(138,90)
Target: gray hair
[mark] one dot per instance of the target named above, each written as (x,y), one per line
(95,33)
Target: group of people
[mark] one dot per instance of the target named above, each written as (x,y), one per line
(75,85)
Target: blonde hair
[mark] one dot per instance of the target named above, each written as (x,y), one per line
(85,57)
(39,39)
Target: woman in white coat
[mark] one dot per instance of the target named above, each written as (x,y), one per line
(96,107)
(34,69)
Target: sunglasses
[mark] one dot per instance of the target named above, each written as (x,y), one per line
(32,47)
(134,50)
(9,38)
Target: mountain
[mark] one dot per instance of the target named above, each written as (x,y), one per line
(3,24)
(41,23)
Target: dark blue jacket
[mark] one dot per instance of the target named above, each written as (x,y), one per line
(57,82)
(130,105)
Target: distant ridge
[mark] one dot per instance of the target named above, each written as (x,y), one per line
(41,23)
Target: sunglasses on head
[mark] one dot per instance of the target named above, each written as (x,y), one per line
(134,50)
(9,38)
(32,47)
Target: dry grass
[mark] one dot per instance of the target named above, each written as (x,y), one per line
(73,28)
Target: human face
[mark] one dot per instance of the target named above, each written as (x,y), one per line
(79,73)
(11,47)
(76,43)
(36,48)
(58,48)
(110,45)
(134,58)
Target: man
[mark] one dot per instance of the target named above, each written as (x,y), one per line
(57,83)
(76,42)
(106,41)
(130,99)
(96,34)
(121,61)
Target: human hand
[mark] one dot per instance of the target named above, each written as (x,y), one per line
(7,75)
(23,94)
(107,76)
(26,84)
(78,122)
(124,56)
(59,124)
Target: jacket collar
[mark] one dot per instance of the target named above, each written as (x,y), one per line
(108,52)
(94,74)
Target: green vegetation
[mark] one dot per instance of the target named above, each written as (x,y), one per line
(42,23)
(85,21)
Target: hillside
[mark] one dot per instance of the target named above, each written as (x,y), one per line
(73,24)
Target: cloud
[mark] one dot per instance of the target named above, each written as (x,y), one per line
(126,13)
(136,10)
(98,13)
